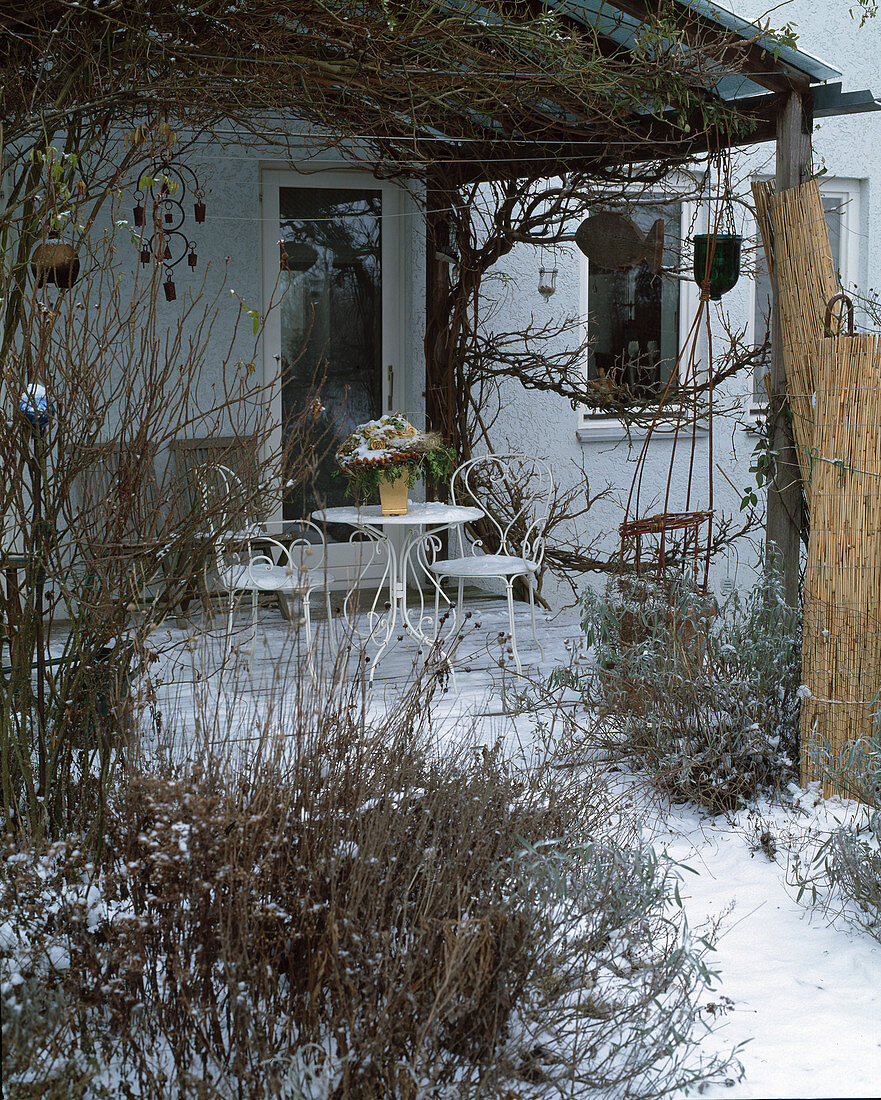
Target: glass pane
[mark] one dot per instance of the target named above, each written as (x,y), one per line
(634,318)
(331,324)
(761,325)
(834,211)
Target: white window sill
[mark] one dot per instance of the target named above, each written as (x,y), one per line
(611,430)
(754,420)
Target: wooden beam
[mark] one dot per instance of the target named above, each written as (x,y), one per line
(784,518)
(438,199)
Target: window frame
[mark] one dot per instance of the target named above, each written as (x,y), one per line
(595,426)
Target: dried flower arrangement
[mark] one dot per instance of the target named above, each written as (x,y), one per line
(383,450)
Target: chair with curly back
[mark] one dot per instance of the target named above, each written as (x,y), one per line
(248,559)
(515,492)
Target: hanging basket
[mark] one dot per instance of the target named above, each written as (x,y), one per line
(393,495)
(717,262)
(615,243)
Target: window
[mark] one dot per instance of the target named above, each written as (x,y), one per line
(841,206)
(634,322)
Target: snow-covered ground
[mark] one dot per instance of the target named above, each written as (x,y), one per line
(802,994)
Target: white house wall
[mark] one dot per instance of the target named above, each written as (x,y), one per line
(848,147)
(230,246)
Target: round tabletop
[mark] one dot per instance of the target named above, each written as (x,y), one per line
(428,513)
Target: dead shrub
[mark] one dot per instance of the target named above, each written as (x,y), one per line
(353,910)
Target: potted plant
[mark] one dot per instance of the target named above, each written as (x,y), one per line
(388,455)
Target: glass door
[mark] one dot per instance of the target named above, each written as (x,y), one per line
(331,267)
(331,326)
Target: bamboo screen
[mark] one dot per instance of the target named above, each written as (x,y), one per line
(799,258)
(842,593)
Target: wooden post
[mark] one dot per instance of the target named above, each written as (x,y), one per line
(436,291)
(784,518)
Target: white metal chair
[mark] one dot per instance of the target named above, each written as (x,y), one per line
(515,493)
(244,556)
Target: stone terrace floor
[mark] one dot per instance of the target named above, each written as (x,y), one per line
(192,681)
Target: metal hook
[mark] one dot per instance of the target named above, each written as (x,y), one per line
(848,307)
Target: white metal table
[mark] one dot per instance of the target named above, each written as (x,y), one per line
(422,525)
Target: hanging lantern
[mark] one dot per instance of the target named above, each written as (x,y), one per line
(547,281)
(717,262)
(55,262)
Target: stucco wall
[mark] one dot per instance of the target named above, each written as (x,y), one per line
(231,244)
(231,269)
(848,147)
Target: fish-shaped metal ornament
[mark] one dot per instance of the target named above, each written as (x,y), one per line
(614,242)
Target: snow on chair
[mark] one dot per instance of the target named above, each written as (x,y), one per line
(515,492)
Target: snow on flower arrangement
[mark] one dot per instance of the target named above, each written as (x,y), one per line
(384,450)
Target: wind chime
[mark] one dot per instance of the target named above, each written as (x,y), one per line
(683,539)
(161,194)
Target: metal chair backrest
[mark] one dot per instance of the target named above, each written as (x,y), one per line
(306,548)
(515,492)
(222,497)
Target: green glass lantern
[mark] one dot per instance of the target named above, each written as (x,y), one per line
(723,270)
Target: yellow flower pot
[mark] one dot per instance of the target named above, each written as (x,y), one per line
(393,495)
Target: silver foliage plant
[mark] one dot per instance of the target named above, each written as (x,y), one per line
(702,694)
(844,872)
(358,912)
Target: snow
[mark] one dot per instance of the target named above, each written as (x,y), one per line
(797,989)
(804,996)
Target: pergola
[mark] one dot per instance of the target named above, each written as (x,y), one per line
(776,91)
(451,92)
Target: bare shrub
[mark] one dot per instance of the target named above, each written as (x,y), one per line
(354,910)
(102,519)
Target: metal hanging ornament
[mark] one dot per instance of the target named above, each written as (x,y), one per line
(161,194)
